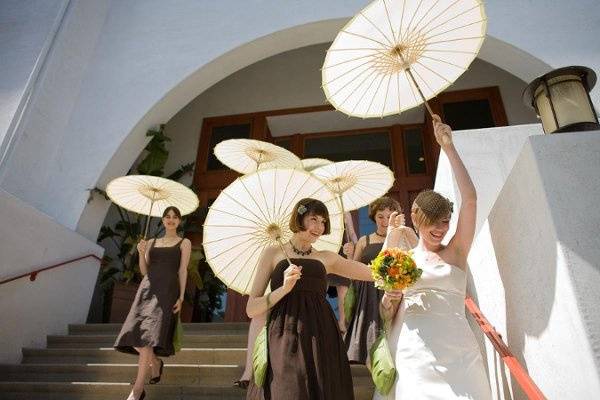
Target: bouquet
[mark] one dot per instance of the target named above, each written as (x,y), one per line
(394,269)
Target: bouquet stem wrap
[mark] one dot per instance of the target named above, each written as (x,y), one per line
(392,269)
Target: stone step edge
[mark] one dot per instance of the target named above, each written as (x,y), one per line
(112,350)
(354,367)
(84,329)
(114,336)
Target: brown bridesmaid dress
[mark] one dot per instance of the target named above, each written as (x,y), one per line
(365,324)
(151,322)
(307,357)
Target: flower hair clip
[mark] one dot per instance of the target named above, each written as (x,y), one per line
(302,209)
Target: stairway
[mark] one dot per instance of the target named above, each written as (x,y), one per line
(82,365)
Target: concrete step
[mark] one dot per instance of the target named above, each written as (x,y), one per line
(84,366)
(102,391)
(196,328)
(107,355)
(228,340)
(175,374)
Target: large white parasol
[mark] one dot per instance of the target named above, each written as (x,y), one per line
(396,54)
(151,195)
(253,213)
(248,155)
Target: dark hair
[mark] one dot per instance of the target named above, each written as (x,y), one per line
(309,206)
(381,204)
(174,209)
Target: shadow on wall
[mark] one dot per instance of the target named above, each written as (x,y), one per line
(524,241)
(570,164)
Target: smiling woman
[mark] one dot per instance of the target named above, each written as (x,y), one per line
(430,331)
(300,313)
(150,325)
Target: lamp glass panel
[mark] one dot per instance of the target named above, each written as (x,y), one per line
(570,100)
(545,110)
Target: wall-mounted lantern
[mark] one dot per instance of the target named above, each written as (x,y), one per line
(561,99)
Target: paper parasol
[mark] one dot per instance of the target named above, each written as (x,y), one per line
(252,212)
(151,195)
(248,155)
(396,54)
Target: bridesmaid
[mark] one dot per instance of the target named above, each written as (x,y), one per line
(365,325)
(150,324)
(307,357)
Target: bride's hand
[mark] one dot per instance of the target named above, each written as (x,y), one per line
(395,222)
(390,297)
(441,131)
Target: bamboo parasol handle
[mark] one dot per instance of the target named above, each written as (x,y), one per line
(409,72)
(284,252)
(149,216)
(346,234)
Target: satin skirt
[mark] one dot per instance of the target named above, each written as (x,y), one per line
(436,354)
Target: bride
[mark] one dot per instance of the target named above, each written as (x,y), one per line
(435,351)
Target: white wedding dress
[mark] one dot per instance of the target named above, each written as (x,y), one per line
(435,351)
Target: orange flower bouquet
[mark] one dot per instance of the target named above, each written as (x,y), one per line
(394,269)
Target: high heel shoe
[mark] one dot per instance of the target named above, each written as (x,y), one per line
(156,379)
(242,383)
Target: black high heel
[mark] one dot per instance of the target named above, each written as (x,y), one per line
(242,384)
(156,379)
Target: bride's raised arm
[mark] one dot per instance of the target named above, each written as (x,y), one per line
(460,244)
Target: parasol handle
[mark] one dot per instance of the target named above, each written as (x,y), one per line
(147,225)
(274,233)
(409,72)
(149,216)
(283,250)
(346,234)
(340,192)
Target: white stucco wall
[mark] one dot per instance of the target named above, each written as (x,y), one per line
(535,263)
(489,155)
(58,297)
(27,33)
(551,274)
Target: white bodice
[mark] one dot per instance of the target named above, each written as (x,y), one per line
(441,288)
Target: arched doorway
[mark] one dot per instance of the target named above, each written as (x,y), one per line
(210,184)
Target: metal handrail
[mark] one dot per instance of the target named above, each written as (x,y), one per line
(516,369)
(33,274)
